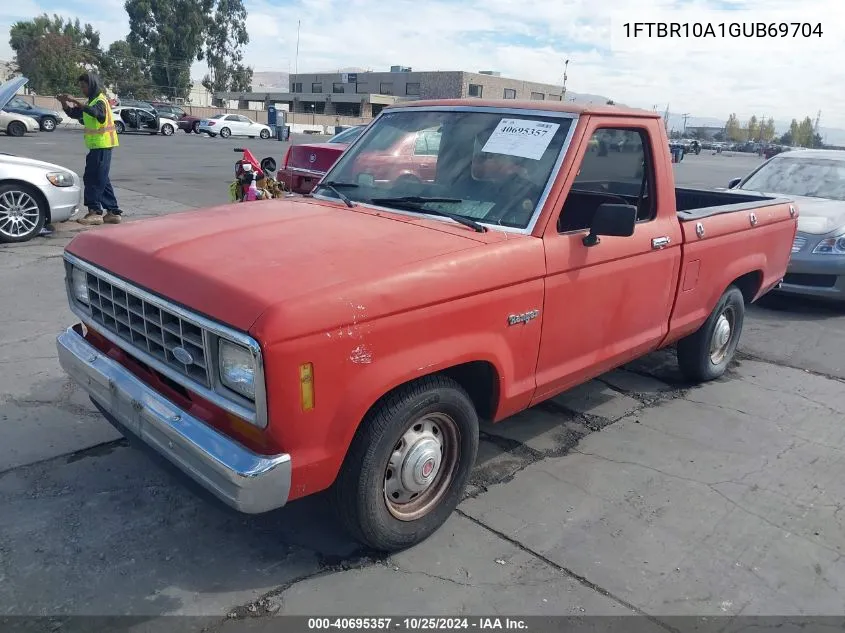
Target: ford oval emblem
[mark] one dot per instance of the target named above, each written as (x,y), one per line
(182,355)
(312,158)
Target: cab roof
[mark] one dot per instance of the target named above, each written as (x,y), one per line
(514,104)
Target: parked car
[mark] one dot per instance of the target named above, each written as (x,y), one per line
(227,125)
(354,339)
(184,121)
(34,194)
(142,121)
(304,165)
(47,119)
(131,103)
(816,180)
(11,123)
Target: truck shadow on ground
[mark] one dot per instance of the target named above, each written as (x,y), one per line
(112,530)
(798,309)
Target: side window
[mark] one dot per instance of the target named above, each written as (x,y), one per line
(233,117)
(617,168)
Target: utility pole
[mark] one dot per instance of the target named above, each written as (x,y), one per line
(563,93)
(686,116)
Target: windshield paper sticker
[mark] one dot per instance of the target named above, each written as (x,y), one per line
(518,137)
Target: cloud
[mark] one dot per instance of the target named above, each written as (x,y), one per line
(529,39)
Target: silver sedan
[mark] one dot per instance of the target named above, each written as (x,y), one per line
(815,179)
(34,194)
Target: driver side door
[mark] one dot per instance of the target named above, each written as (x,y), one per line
(608,303)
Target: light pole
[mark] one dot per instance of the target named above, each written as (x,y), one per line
(313,113)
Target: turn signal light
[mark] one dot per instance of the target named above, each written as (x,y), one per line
(306,385)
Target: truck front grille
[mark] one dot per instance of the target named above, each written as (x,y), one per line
(798,243)
(152,329)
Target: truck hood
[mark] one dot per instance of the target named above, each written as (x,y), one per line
(233,262)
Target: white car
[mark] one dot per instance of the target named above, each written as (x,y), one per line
(135,120)
(227,125)
(10,123)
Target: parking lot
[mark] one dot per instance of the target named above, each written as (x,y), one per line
(632,494)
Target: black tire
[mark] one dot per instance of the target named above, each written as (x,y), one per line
(16,128)
(696,358)
(225,132)
(265,134)
(361,489)
(196,127)
(11,193)
(167,129)
(119,127)
(48,124)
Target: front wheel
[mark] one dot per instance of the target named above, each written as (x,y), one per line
(167,129)
(265,134)
(22,213)
(225,132)
(408,465)
(48,124)
(706,353)
(119,127)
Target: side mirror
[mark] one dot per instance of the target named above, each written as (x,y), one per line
(612,220)
(733,183)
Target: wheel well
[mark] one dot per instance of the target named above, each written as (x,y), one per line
(749,284)
(478,378)
(42,199)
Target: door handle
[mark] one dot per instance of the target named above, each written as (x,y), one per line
(660,242)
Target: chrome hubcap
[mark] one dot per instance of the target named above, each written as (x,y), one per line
(721,337)
(18,213)
(421,467)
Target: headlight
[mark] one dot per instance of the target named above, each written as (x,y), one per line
(237,368)
(831,246)
(60,178)
(79,285)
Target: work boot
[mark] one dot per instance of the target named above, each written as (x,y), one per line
(91,219)
(112,218)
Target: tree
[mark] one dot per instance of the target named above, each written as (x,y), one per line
(753,128)
(793,132)
(719,137)
(804,135)
(767,130)
(224,44)
(52,52)
(170,34)
(733,132)
(126,73)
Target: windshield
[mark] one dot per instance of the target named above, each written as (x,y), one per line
(794,176)
(347,136)
(482,165)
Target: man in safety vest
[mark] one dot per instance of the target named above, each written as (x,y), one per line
(100,138)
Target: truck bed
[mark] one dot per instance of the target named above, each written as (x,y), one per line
(696,204)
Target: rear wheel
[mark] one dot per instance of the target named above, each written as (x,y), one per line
(408,465)
(48,124)
(225,132)
(16,128)
(22,213)
(705,354)
(196,127)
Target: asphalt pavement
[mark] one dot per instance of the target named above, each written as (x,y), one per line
(633,494)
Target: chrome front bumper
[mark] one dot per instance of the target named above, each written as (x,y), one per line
(244,480)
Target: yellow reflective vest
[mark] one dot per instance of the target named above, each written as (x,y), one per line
(100,135)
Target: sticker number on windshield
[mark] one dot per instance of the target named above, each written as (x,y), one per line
(518,137)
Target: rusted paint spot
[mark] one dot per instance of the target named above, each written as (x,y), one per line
(361,355)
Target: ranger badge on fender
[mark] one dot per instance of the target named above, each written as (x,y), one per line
(525,317)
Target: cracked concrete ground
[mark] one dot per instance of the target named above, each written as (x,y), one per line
(634,493)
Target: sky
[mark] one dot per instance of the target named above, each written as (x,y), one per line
(530,39)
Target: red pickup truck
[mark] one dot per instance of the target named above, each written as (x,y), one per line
(350,340)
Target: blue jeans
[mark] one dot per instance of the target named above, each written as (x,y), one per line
(99,194)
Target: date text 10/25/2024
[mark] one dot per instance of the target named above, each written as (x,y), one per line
(417,624)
